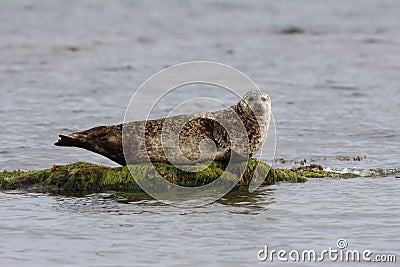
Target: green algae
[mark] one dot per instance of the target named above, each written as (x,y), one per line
(89,177)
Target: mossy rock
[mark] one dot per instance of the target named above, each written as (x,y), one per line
(87,177)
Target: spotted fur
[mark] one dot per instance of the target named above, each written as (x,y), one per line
(183,137)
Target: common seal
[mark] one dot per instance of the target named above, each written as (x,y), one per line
(147,140)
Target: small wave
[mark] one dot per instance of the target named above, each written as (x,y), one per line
(119,68)
(344,87)
(367,172)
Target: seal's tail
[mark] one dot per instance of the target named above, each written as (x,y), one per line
(70,140)
(104,140)
(84,139)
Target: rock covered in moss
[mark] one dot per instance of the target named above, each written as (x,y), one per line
(88,177)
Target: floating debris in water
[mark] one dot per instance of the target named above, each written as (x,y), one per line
(292,30)
(72,48)
(357,158)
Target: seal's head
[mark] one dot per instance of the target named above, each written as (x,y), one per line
(257,103)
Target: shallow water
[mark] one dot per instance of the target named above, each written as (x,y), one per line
(69,66)
(102,230)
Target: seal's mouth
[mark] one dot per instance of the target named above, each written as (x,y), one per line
(259,109)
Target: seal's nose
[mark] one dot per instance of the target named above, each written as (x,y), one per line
(258,107)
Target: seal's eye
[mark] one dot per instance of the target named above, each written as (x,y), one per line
(251,98)
(263,99)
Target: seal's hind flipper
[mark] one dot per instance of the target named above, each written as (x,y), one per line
(104,140)
(69,140)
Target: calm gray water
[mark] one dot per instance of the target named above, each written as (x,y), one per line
(70,65)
